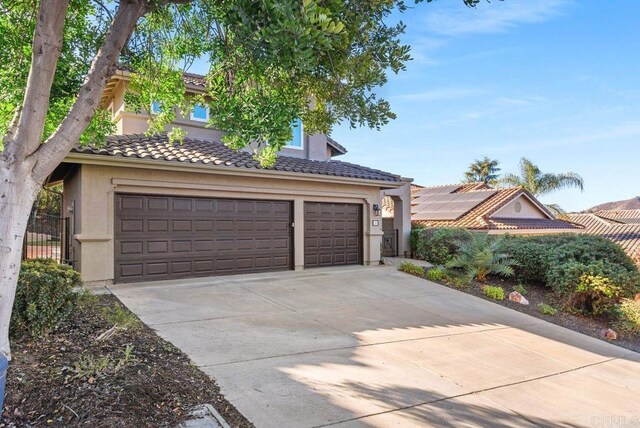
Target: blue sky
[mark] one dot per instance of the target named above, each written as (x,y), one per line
(557,81)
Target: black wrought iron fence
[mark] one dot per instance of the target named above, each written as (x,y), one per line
(46,237)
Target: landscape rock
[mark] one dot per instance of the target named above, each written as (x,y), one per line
(609,334)
(515,296)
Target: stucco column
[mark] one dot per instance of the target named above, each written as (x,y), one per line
(298,234)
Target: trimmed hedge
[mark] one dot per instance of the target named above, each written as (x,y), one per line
(44,297)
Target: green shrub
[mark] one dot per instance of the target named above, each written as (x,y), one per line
(44,297)
(545,309)
(435,274)
(438,246)
(495,293)
(415,237)
(457,279)
(410,268)
(481,256)
(629,315)
(520,289)
(537,255)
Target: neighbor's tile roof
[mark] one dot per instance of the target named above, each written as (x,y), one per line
(479,216)
(623,216)
(216,154)
(626,235)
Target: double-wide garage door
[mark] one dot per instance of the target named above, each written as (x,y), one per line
(166,237)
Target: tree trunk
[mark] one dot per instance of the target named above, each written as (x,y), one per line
(18,191)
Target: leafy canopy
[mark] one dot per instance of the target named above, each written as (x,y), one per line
(270,62)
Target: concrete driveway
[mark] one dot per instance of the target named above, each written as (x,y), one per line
(372,347)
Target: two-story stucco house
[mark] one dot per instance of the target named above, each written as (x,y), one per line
(143,209)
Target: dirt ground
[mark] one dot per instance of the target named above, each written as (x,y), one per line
(539,294)
(133,378)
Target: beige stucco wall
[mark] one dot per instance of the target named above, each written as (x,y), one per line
(401,213)
(528,209)
(93,190)
(128,122)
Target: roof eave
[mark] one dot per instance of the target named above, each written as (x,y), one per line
(120,161)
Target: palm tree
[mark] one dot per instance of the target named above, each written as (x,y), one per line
(537,183)
(485,171)
(481,256)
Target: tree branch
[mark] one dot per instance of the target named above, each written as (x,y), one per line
(47,45)
(58,145)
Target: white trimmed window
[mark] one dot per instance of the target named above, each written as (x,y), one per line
(155,107)
(200,113)
(297,142)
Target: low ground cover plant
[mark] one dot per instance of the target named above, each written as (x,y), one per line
(435,274)
(45,297)
(629,315)
(520,289)
(493,292)
(410,268)
(545,309)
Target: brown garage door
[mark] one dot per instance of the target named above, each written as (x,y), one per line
(332,234)
(164,237)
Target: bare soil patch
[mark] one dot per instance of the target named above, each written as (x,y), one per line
(130,379)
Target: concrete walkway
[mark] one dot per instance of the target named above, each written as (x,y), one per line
(373,347)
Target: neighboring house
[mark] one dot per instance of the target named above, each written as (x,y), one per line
(476,206)
(620,216)
(620,226)
(143,209)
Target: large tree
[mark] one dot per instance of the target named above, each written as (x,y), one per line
(485,171)
(539,183)
(271,62)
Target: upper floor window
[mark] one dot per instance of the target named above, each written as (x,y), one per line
(155,107)
(297,140)
(200,113)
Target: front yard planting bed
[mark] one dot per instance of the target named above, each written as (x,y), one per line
(87,373)
(537,294)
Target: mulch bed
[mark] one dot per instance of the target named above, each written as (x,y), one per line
(151,384)
(539,294)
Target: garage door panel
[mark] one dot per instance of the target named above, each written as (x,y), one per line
(160,237)
(333,234)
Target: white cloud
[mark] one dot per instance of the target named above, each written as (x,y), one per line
(442,94)
(497,16)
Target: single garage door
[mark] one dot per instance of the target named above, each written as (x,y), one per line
(332,234)
(166,237)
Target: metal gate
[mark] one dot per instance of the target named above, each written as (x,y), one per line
(46,237)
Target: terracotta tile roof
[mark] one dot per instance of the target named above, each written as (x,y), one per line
(216,154)
(623,216)
(529,223)
(479,216)
(194,79)
(626,235)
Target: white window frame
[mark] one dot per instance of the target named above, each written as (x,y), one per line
(301,139)
(153,110)
(197,119)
